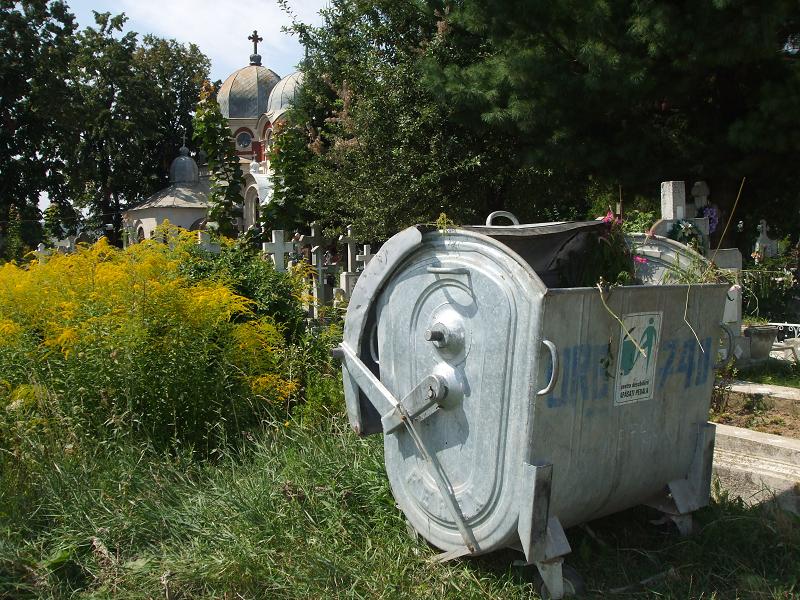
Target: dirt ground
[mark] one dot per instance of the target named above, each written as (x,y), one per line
(760,413)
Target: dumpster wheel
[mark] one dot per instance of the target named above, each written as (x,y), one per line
(573,584)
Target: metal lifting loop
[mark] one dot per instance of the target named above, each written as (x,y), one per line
(501,213)
(554,374)
(729,350)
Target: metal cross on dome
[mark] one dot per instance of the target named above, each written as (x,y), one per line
(255,39)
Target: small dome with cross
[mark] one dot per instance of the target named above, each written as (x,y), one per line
(244,94)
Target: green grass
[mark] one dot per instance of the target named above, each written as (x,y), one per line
(773,372)
(298,513)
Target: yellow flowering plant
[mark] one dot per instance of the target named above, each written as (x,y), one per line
(128,340)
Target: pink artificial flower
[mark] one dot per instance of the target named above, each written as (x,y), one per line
(639,259)
(609,218)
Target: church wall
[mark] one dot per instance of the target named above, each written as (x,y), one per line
(150,218)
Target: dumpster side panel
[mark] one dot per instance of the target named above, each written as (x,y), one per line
(618,427)
(488,303)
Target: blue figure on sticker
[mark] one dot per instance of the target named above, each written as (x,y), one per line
(630,353)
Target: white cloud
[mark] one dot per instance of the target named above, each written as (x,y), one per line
(219,28)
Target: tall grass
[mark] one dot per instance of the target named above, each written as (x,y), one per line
(300,512)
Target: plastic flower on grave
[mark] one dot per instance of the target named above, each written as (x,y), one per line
(712,212)
(612,219)
(639,259)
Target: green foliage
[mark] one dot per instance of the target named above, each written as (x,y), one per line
(211,132)
(290,157)
(123,343)
(250,275)
(14,245)
(380,151)
(633,92)
(639,221)
(774,372)
(134,103)
(36,107)
(605,260)
(90,117)
(60,221)
(771,289)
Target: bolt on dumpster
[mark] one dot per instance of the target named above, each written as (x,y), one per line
(513,408)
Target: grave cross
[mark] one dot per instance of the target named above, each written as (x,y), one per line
(365,256)
(278,248)
(352,251)
(255,39)
(315,240)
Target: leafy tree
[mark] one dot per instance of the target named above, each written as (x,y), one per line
(211,132)
(60,220)
(36,108)
(134,108)
(290,157)
(176,72)
(636,92)
(117,117)
(14,245)
(382,152)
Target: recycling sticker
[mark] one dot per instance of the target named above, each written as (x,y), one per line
(638,354)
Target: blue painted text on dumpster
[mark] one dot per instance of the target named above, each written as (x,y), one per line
(587,370)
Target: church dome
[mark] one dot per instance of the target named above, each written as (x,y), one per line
(283,95)
(184,169)
(244,94)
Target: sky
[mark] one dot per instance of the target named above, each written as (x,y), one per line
(220,28)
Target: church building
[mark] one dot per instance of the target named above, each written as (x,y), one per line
(253,99)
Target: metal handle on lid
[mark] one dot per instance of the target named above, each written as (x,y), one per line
(729,350)
(554,374)
(501,213)
(448,270)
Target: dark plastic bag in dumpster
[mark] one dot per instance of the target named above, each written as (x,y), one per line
(560,253)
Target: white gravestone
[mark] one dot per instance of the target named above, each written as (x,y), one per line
(278,248)
(674,208)
(365,256)
(765,246)
(204,241)
(673,200)
(316,241)
(349,276)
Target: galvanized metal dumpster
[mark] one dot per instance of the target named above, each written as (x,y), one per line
(512,408)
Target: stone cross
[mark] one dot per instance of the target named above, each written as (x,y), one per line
(348,278)
(204,241)
(365,256)
(255,39)
(278,248)
(351,248)
(765,245)
(673,200)
(315,240)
